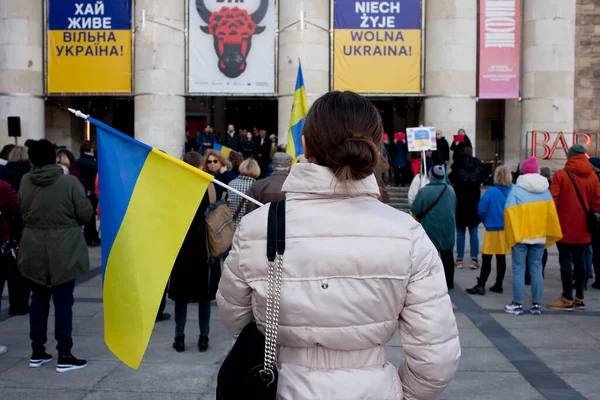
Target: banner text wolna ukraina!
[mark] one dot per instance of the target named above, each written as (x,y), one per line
(377,45)
(89,46)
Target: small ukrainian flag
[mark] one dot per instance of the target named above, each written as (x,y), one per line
(223,149)
(148,202)
(299,111)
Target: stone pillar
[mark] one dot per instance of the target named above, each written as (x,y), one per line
(311,45)
(160,75)
(514,142)
(451,66)
(21,68)
(548,65)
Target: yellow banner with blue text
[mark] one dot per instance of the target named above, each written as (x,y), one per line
(89,46)
(377,46)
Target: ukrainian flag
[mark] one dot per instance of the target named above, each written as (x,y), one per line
(148,202)
(223,149)
(299,111)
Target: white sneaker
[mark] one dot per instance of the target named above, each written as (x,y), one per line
(3,349)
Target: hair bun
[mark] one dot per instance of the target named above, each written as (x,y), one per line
(353,159)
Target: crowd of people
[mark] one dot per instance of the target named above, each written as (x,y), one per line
(522,216)
(355,270)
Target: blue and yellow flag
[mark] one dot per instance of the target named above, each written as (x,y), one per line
(299,111)
(148,202)
(223,149)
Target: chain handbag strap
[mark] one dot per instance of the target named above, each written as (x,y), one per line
(275,250)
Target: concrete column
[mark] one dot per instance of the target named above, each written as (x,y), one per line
(451,66)
(514,142)
(21,68)
(548,65)
(160,75)
(308,43)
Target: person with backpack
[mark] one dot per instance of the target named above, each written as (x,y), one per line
(435,208)
(491,212)
(467,176)
(576,192)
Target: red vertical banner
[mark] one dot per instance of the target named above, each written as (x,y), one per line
(499,49)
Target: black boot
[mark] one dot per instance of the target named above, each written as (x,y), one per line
(477,289)
(203,343)
(179,344)
(497,288)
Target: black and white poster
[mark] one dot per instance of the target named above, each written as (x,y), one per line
(232,46)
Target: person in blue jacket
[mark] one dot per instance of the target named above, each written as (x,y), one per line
(205,140)
(491,212)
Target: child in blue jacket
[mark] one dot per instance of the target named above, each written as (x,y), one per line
(491,212)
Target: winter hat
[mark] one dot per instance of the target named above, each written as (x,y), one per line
(282,161)
(530,166)
(576,150)
(437,172)
(595,161)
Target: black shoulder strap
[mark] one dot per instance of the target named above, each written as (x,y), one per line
(423,214)
(577,190)
(276,230)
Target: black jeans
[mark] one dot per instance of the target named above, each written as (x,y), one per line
(447,257)
(570,258)
(203,318)
(18,287)
(89,230)
(486,268)
(62,295)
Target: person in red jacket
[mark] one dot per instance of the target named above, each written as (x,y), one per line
(576,176)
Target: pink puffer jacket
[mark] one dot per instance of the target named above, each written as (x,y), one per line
(355,271)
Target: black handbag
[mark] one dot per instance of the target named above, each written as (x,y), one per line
(249,370)
(590,216)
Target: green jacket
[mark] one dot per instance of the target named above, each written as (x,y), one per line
(440,221)
(53,250)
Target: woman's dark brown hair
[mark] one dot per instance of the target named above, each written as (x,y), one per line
(340,132)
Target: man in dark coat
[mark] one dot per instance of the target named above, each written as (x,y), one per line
(441,156)
(88,168)
(205,140)
(264,152)
(231,139)
(467,176)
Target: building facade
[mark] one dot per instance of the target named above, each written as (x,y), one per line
(558,77)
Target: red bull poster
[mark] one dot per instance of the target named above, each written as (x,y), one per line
(232,46)
(499,49)
(377,46)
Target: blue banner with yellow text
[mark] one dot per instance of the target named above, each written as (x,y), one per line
(89,46)
(377,46)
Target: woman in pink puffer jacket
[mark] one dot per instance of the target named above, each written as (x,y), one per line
(355,272)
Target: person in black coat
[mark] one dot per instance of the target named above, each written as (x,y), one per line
(194,279)
(459,147)
(441,156)
(231,139)
(467,176)
(88,168)
(263,152)
(17,166)
(249,147)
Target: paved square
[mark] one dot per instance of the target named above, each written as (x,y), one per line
(555,356)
